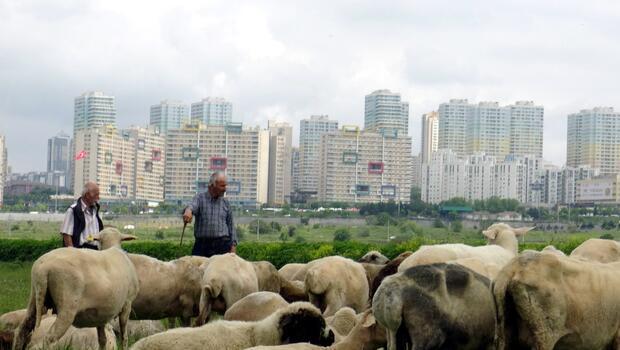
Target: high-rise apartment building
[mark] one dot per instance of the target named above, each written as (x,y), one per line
(571,176)
(212,111)
(126,164)
(168,114)
(197,150)
(430,135)
(599,190)
(363,166)
(280,152)
(384,110)
(295,169)
(593,138)
(58,159)
(93,109)
(487,127)
(3,168)
(310,131)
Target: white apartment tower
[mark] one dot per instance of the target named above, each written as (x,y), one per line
(197,150)
(280,153)
(490,128)
(310,131)
(212,111)
(168,114)
(430,134)
(363,166)
(384,110)
(149,163)
(3,167)
(593,139)
(93,109)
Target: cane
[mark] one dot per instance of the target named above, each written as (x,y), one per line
(182,233)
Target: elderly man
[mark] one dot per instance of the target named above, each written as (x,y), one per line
(214,229)
(82,222)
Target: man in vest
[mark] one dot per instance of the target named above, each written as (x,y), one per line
(82,222)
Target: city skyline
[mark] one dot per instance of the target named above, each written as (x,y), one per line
(526,51)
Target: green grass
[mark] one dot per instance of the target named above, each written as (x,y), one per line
(14,285)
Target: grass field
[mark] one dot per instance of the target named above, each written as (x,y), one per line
(14,286)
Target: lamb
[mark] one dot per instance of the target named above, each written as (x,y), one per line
(388,269)
(74,338)
(601,250)
(334,282)
(374,257)
(85,288)
(267,275)
(297,322)
(138,329)
(255,307)
(227,278)
(438,306)
(367,334)
(501,247)
(167,289)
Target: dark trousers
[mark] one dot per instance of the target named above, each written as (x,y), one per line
(208,247)
(89,246)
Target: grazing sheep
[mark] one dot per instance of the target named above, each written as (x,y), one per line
(74,338)
(255,307)
(297,322)
(389,269)
(10,321)
(293,291)
(228,278)
(487,269)
(334,282)
(547,302)
(372,271)
(288,271)
(600,250)
(438,306)
(366,335)
(85,288)
(374,257)
(167,289)
(501,247)
(138,329)
(267,275)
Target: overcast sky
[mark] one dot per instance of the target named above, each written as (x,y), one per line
(287,60)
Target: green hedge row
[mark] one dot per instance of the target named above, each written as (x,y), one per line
(277,253)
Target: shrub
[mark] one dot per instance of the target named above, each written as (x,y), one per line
(365,232)
(456,226)
(159,235)
(607,236)
(291,231)
(304,221)
(300,239)
(15,227)
(315,226)
(437,223)
(342,234)
(241,232)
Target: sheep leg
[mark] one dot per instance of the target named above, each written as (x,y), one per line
(123,319)
(101,337)
(64,320)
(391,340)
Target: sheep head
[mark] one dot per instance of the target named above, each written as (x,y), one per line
(111,237)
(374,257)
(301,322)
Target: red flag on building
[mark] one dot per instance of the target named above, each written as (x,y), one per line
(80,155)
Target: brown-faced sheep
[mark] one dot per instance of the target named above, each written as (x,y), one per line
(366,335)
(167,289)
(228,278)
(374,257)
(267,276)
(334,282)
(255,307)
(297,322)
(389,269)
(438,306)
(85,288)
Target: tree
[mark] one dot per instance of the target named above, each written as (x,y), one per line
(342,234)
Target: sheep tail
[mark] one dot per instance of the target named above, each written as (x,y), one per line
(38,292)
(204,305)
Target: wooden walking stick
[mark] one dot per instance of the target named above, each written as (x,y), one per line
(182,233)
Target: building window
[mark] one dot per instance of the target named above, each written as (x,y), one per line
(148,166)
(375,167)
(190,153)
(233,187)
(124,190)
(113,190)
(388,190)
(202,186)
(362,189)
(156,155)
(217,163)
(108,157)
(349,157)
(119,167)
(141,144)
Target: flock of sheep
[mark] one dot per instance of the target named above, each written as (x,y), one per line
(448,296)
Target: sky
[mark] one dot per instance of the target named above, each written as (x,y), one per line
(287,60)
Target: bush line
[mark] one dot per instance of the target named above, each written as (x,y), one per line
(277,253)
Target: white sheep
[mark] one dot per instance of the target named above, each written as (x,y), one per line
(288,271)
(342,322)
(138,329)
(297,322)
(255,307)
(228,278)
(267,276)
(85,288)
(334,282)
(74,338)
(167,289)
(502,245)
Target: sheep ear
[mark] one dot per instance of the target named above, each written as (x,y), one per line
(126,237)
(521,231)
(490,234)
(369,320)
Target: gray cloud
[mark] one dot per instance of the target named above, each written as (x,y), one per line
(287,60)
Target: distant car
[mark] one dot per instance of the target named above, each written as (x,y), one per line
(129,227)
(34,212)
